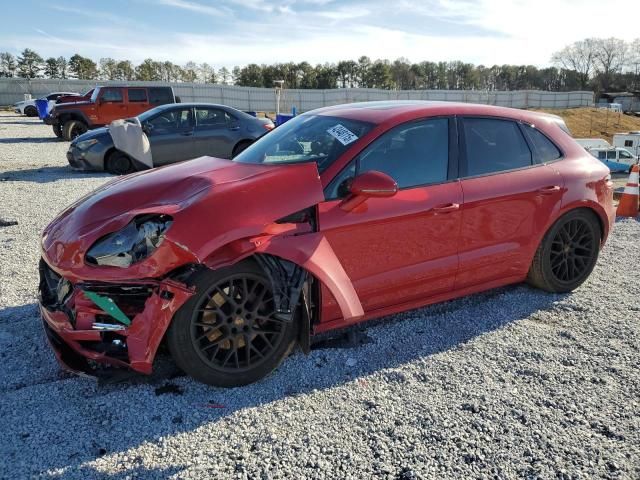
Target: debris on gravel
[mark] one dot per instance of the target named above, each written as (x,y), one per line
(511,383)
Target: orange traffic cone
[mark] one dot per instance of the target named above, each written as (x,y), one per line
(628,206)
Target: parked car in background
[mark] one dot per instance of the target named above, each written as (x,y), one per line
(616,158)
(340,215)
(106,104)
(176,132)
(28,107)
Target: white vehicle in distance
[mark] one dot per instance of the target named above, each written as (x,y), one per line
(616,158)
(629,140)
(588,143)
(28,107)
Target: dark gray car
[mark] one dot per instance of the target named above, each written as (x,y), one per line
(176,132)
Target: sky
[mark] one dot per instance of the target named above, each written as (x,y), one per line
(239,32)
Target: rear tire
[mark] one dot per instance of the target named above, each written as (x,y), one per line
(31,111)
(240,147)
(73,128)
(567,254)
(57,130)
(227,334)
(118,163)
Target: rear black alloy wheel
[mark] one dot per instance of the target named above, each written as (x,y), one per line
(568,253)
(228,333)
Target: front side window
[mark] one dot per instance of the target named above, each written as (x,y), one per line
(211,117)
(413,154)
(111,95)
(307,138)
(171,121)
(137,95)
(494,145)
(625,154)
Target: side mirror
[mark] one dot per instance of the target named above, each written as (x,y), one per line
(371,184)
(147,127)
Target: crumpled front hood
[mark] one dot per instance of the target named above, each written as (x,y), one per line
(212,201)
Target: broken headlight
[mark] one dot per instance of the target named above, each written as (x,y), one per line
(135,242)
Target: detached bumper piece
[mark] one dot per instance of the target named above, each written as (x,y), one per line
(92,326)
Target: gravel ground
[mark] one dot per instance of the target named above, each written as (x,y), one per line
(512,383)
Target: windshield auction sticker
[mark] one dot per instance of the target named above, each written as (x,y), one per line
(342,134)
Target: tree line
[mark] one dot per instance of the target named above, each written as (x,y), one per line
(594,63)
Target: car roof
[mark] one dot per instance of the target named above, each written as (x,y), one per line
(402,110)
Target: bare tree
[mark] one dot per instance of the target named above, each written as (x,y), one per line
(610,56)
(579,56)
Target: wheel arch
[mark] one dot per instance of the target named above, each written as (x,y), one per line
(240,142)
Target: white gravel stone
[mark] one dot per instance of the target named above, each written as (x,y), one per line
(511,383)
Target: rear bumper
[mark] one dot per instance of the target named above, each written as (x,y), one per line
(72,324)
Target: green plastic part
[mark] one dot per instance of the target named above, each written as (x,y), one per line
(108,306)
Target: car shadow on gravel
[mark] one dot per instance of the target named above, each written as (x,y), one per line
(48,174)
(145,410)
(31,140)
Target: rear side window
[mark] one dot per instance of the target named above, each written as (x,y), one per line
(545,150)
(111,95)
(137,95)
(160,96)
(611,155)
(494,145)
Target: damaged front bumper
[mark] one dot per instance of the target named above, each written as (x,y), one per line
(86,323)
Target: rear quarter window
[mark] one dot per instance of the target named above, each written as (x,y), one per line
(160,96)
(544,149)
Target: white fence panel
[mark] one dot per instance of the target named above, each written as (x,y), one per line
(264,99)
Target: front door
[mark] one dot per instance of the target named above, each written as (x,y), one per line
(111,105)
(403,248)
(171,136)
(509,196)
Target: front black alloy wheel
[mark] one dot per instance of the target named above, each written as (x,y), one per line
(228,333)
(568,253)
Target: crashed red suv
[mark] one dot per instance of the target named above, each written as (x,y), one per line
(341,215)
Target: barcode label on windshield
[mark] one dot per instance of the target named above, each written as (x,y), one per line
(342,134)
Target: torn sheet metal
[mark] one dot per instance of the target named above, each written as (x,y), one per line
(109,307)
(129,137)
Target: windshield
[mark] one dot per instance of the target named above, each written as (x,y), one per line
(307,138)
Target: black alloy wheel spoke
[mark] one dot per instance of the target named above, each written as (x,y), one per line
(571,250)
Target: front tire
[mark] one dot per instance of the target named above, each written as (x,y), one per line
(567,254)
(118,164)
(57,130)
(31,111)
(228,334)
(73,128)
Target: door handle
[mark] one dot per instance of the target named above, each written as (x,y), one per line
(446,208)
(234,128)
(549,190)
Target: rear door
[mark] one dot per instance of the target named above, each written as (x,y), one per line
(138,101)
(171,136)
(403,248)
(111,105)
(509,195)
(216,133)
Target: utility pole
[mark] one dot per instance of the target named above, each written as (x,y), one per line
(279,85)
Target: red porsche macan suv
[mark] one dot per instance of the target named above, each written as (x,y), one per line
(342,214)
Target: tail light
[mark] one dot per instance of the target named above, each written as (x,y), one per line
(268,126)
